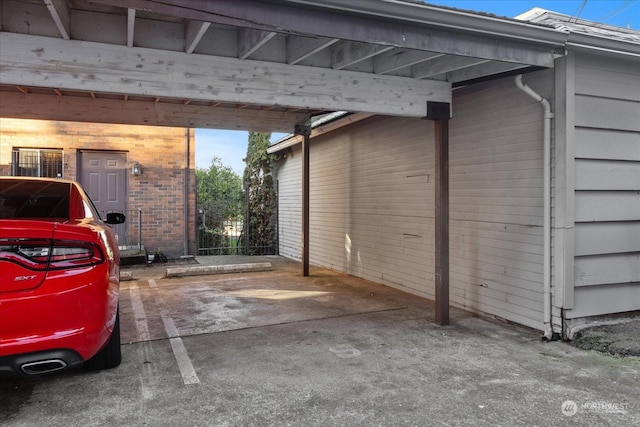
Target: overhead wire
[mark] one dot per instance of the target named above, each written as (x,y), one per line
(577,13)
(617,10)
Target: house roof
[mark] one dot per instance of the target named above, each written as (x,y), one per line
(576,25)
(585,34)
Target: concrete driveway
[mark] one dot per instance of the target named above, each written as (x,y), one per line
(276,349)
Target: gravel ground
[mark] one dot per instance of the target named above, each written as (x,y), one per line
(622,339)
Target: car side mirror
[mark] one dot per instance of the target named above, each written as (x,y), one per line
(115,218)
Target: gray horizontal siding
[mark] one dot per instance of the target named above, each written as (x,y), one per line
(607,188)
(372,192)
(605,269)
(607,174)
(607,144)
(371,202)
(606,113)
(607,78)
(289,176)
(602,238)
(496,190)
(606,206)
(601,300)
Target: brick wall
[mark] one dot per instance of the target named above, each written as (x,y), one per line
(159,191)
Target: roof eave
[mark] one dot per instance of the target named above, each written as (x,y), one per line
(320,129)
(603,45)
(460,20)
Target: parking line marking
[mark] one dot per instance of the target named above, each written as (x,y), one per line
(148,381)
(139,314)
(189,375)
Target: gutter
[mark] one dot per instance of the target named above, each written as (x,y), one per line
(318,129)
(548,116)
(443,17)
(479,23)
(603,45)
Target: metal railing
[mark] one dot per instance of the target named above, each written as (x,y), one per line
(131,227)
(139,229)
(222,240)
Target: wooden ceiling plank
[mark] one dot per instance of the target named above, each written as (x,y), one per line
(249,41)
(346,54)
(301,48)
(444,64)
(396,60)
(482,70)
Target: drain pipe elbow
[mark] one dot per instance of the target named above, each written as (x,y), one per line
(548,115)
(526,89)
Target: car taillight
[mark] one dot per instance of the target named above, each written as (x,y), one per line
(29,253)
(53,255)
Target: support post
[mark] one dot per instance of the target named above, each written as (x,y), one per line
(440,112)
(305,131)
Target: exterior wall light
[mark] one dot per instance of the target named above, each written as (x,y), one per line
(136,169)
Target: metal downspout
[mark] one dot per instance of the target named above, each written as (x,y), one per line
(187,167)
(548,115)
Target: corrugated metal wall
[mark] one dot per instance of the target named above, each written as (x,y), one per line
(607,187)
(372,191)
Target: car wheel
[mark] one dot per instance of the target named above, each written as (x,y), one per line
(110,356)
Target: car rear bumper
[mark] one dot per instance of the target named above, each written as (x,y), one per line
(39,363)
(79,319)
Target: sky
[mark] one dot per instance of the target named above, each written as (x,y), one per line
(231,146)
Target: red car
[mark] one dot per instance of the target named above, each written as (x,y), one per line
(59,279)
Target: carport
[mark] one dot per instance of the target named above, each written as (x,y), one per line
(260,65)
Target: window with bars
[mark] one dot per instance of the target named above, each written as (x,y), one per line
(37,162)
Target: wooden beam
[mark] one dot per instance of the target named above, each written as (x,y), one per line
(59,10)
(439,113)
(93,67)
(195,32)
(289,19)
(102,110)
(131,26)
(249,41)
(305,131)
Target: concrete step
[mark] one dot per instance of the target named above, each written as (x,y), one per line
(132,255)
